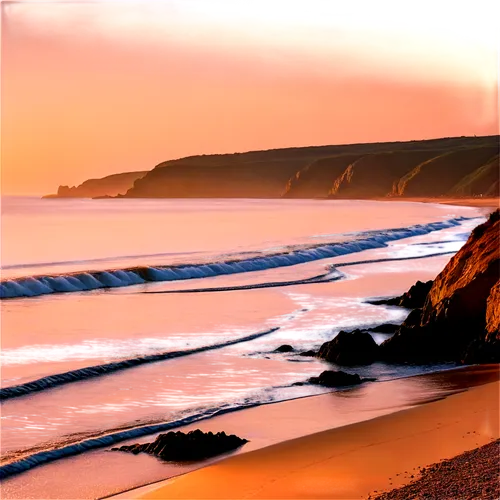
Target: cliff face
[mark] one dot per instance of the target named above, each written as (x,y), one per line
(258,179)
(493,314)
(110,185)
(460,317)
(438,176)
(374,175)
(459,166)
(317,179)
(451,167)
(483,180)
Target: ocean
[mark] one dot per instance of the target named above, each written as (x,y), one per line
(124,318)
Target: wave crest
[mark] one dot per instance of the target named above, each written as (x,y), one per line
(92,280)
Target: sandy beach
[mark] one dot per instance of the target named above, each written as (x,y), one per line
(464,202)
(350,461)
(369,452)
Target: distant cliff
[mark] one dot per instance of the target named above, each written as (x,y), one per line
(451,167)
(460,318)
(111,185)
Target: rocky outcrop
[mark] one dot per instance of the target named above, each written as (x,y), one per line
(493,312)
(330,378)
(310,353)
(413,298)
(385,328)
(195,445)
(109,186)
(350,348)
(284,348)
(459,320)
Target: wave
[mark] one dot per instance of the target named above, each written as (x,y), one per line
(81,374)
(390,259)
(328,277)
(42,457)
(321,278)
(92,280)
(33,458)
(97,260)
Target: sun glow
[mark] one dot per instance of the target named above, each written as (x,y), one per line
(319,12)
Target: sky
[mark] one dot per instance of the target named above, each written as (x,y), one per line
(97,87)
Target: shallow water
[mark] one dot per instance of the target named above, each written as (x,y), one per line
(302,302)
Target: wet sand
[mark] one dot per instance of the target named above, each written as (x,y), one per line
(352,460)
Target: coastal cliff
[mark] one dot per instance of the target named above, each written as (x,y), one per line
(451,167)
(460,318)
(111,185)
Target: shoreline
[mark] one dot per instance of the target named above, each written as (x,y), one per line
(352,461)
(493,202)
(490,202)
(294,413)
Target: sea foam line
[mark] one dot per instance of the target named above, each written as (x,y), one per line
(321,278)
(69,377)
(112,437)
(44,457)
(78,282)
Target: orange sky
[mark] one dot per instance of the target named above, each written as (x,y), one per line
(90,89)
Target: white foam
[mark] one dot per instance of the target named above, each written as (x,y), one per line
(36,286)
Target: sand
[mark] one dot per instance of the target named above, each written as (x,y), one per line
(466,202)
(354,461)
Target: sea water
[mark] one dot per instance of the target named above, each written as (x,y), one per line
(124,318)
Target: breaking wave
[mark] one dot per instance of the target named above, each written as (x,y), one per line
(84,281)
(99,370)
(118,435)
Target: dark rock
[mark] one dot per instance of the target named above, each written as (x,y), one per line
(350,348)
(460,318)
(385,328)
(413,298)
(392,301)
(310,353)
(195,445)
(284,348)
(331,378)
(416,295)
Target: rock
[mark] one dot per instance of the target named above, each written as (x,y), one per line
(350,348)
(385,328)
(195,445)
(310,353)
(459,320)
(416,295)
(493,313)
(487,350)
(105,187)
(391,301)
(413,298)
(284,348)
(331,378)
